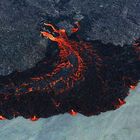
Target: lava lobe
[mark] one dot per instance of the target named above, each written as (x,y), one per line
(88,77)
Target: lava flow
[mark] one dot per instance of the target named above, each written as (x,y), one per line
(86,77)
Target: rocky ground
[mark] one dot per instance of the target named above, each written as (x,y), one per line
(116,21)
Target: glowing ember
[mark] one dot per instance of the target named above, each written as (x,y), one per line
(30,89)
(34,118)
(2,118)
(72,112)
(132,87)
(121,102)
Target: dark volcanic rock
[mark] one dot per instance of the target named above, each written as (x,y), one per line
(21,45)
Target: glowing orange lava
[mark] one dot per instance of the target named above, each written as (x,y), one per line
(2,118)
(72,112)
(34,118)
(132,87)
(121,102)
